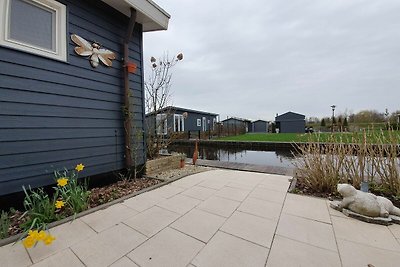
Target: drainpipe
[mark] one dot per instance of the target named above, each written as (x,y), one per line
(127,111)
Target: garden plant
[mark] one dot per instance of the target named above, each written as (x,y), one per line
(372,157)
(69,197)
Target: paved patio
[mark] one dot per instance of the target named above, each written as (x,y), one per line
(215,218)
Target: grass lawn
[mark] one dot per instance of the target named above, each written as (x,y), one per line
(296,137)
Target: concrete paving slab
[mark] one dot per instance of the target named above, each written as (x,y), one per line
(179,204)
(373,235)
(262,208)
(213,184)
(360,255)
(66,235)
(14,255)
(151,221)
(233,193)
(199,192)
(275,179)
(268,195)
(219,206)
(63,258)
(183,183)
(248,178)
(307,231)
(241,185)
(167,248)
(143,202)
(251,178)
(275,186)
(230,251)
(106,218)
(307,207)
(250,227)
(199,224)
(124,262)
(395,229)
(108,246)
(333,212)
(275,182)
(287,252)
(167,191)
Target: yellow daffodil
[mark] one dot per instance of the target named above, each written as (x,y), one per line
(62,181)
(29,242)
(41,235)
(79,167)
(59,204)
(33,234)
(48,239)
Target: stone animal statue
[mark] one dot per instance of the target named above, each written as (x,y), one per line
(365,203)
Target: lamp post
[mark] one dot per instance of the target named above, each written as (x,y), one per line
(333,116)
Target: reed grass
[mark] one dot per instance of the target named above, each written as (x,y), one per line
(371,157)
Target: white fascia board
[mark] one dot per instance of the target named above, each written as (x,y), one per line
(149,14)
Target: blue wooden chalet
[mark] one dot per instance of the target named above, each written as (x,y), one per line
(173,119)
(237,124)
(259,126)
(71,86)
(290,122)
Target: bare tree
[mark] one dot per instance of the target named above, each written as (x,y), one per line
(158,94)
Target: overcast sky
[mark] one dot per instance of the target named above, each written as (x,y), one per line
(256,58)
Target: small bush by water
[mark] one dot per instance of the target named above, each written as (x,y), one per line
(372,156)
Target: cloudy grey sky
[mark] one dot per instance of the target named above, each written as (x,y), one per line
(256,58)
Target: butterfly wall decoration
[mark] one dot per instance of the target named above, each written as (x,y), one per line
(93,51)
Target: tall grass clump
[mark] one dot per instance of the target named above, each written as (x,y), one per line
(371,157)
(4,224)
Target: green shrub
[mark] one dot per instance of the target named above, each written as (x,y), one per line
(4,224)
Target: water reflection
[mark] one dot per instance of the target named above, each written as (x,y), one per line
(281,158)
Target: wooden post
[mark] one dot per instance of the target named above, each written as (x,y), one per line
(127,109)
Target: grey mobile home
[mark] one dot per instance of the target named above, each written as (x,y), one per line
(176,119)
(236,125)
(64,83)
(291,122)
(259,126)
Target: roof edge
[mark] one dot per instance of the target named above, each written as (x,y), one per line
(150,15)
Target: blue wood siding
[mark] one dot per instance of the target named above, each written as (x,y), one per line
(191,121)
(57,114)
(260,126)
(291,122)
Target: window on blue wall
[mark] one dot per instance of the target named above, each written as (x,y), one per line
(199,122)
(34,26)
(162,124)
(179,123)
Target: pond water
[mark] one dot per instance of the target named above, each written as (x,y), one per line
(280,158)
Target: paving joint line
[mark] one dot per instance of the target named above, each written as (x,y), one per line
(276,228)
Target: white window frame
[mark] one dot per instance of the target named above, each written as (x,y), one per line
(159,118)
(60,10)
(204,124)
(180,119)
(198,122)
